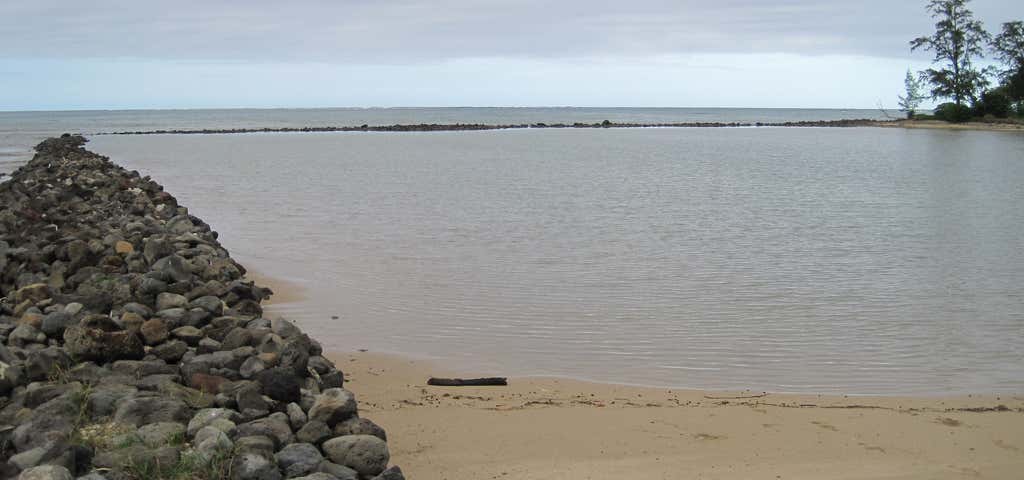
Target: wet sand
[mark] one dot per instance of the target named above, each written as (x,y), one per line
(549,428)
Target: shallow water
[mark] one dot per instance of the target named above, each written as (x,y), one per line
(858,260)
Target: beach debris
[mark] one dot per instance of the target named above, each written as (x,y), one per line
(468,382)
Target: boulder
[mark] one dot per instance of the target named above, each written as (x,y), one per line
(332,406)
(102,346)
(298,459)
(366,454)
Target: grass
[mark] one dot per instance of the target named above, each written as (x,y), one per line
(189,466)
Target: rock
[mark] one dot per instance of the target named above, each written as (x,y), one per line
(314,432)
(144,410)
(332,379)
(250,402)
(35,293)
(207,345)
(188,334)
(25,334)
(154,331)
(296,417)
(103,399)
(298,459)
(340,472)
(46,472)
(250,466)
(174,267)
(392,473)
(211,442)
(359,426)
(320,364)
(170,351)
(281,385)
(209,303)
(167,300)
(274,428)
(131,321)
(251,367)
(261,445)
(283,328)
(161,433)
(50,361)
(237,337)
(32,319)
(332,406)
(123,248)
(366,454)
(206,383)
(156,248)
(53,324)
(208,416)
(102,346)
(317,476)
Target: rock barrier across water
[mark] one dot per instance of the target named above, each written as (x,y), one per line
(131,347)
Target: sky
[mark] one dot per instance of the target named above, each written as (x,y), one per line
(107,54)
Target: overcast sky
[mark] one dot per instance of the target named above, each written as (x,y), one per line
(257,53)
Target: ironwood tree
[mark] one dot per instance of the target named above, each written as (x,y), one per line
(958,39)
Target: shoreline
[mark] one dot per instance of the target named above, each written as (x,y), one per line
(555,427)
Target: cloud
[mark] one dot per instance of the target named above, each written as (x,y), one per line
(404,31)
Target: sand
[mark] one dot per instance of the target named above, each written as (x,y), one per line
(943,125)
(548,428)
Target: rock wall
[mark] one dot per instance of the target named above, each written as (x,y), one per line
(133,348)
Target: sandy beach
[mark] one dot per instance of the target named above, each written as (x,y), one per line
(559,428)
(943,125)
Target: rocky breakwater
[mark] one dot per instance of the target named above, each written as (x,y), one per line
(132,348)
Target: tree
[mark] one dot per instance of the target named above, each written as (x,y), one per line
(1008,47)
(913,98)
(958,38)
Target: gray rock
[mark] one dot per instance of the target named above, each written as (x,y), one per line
(276,429)
(188,334)
(42,364)
(207,345)
(332,379)
(143,410)
(208,416)
(314,432)
(209,303)
(296,417)
(365,454)
(103,399)
(250,402)
(281,384)
(283,328)
(250,466)
(317,476)
(359,426)
(320,364)
(25,334)
(175,267)
(340,472)
(393,473)
(258,444)
(161,433)
(210,443)
(55,323)
(237,337)
(46,472)
(298,459)
(251,367)
(170,351)
(168,300)
(332,406)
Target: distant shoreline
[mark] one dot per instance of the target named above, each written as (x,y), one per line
(456,127)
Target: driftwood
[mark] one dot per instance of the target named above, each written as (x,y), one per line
(467,382)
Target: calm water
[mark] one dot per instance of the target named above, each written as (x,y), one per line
(19,131)
(804,260)
(811,260)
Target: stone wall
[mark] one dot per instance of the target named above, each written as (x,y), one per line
(132,347)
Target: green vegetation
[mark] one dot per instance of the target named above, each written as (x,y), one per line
(958,42)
